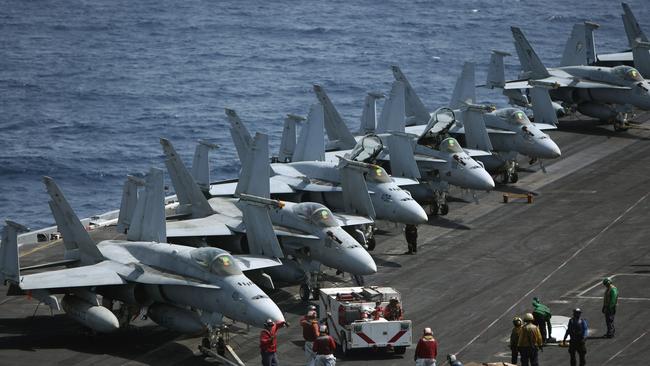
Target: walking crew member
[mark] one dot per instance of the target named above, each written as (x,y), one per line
(426,350)
(514,339)
(542,315)
(269,342)
(310,332)
(530,340)
(324,347)
(393,310)
(411,235)
(578,330)
(610,299)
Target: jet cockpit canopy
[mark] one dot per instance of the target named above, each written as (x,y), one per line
(216,261)
(315,213)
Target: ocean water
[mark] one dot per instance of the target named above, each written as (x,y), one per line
(87,88)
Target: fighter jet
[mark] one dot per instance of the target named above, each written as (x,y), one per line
(608,94)
(435,165)
(179,287)
(509,131)
(309,178)
(310,234)
(580,48)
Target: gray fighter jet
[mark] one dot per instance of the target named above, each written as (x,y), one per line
(309,178)
(580,48)
(179,287)
(310,234)
(609,94)
(435,165)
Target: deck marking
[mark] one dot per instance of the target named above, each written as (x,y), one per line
(624,348)
(32,251)
(575,254)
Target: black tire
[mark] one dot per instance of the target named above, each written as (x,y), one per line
(506,178)
(345,351)
(305,292)
(444,209)
(618,128)
(400,350)
(371,244)
(514,177)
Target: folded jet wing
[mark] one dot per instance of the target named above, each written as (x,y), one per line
(560,82)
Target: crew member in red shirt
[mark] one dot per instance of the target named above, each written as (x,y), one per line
(310,332)
(269,342)
(324,347)
(426,350)
(378,312)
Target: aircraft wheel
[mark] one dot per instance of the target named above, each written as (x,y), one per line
(433,209)
(305,292)
(314,293)
(444,209)
(371,244)
(514,177)
(619,128)
(344,344)
(505,178)
(399,350)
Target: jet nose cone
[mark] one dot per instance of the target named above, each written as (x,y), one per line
(358,262)
(481,180)
(549,149)
(264,309)
(413,214)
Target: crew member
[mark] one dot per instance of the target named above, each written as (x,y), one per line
(411,236)
(578,330)
(269,342)
(514,339)
(310,332)
(427,349)
(530,340)
(393,310)
(453,361)
(610,299)
(542,315)
(378,312)
(324,347)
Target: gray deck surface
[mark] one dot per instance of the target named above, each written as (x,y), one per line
(476,268)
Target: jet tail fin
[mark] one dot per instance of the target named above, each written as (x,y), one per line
(393,114)
(402,158)
(201,164)
(641,57)
(416,112)
(188,192)
(334,125)
(476,135)
(464,92)
(9,262)
(240,135)
(255,172)
(259,228)
(311,143)
(632,28)
(356,198)
(129,201)
(580,48)
(542,106)
(496,71)
(69,225)
(369,114)
(530,62)
(288,142)
(148,223)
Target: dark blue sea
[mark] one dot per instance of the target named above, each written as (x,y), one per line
(88,87)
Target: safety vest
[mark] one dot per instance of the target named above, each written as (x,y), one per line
(324,345)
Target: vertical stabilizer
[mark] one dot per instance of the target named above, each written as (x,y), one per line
(70,226)
(641,57)
(288,142)
(543,110)
(148,223)
(496,76)
(416,112)
(311,143)
(9,263)
(464,92)
(476,135)
(201,164)
(336,129)
(240,135)
(632,28)
(402,158)
(255,172)
(190,197)
(530,62)
(369,114)
(393,114)
(259,228)
(580,48)
(356,198)
(129,201)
